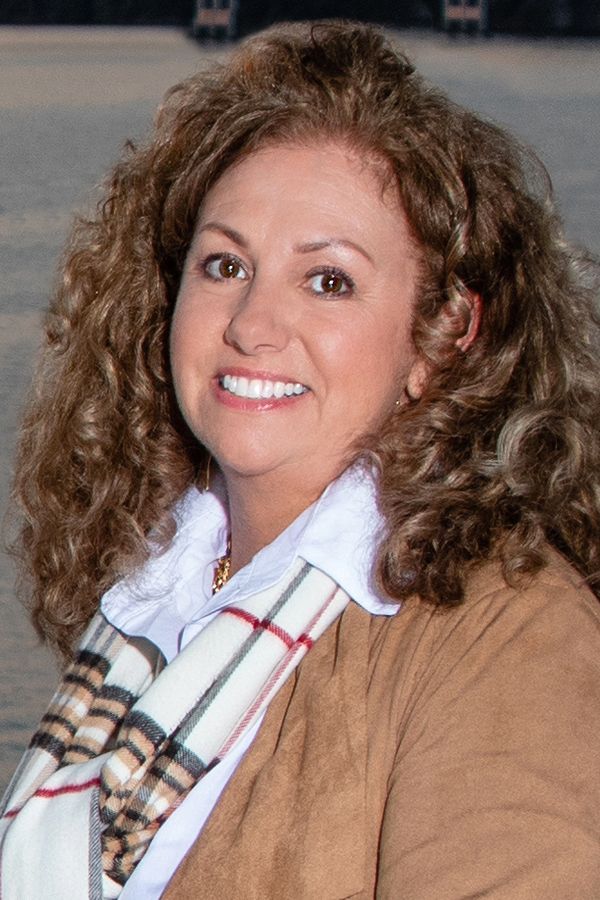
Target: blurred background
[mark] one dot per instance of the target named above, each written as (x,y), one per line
(515,16)
(71,92)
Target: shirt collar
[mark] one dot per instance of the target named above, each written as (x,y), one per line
(339,534)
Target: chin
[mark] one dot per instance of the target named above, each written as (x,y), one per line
(246,462)
(253,469)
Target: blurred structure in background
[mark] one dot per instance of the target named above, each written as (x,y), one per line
(234,18)
(466,15)
(215,19)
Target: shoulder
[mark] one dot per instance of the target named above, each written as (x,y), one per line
(553,609)
(504,657)
(494,722)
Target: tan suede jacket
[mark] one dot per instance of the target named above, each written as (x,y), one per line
(435,755)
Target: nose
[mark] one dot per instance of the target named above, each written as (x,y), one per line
(260,321)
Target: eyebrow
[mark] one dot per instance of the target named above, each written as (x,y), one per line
(332,242)
(310,247)
(231,233)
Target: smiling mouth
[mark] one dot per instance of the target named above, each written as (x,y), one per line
(260,388)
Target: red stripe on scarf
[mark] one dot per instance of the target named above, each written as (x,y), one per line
(67,789)
(268,625)
(46,793)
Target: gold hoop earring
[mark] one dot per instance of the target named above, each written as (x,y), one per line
(207,474)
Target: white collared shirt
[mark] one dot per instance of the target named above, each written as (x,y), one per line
(170,602)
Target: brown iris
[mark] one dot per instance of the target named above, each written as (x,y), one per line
(229,268)
(332,283)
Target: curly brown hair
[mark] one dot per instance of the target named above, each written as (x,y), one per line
(499,456)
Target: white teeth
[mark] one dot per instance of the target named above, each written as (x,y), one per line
(254,389)
(241,388)
(260,388)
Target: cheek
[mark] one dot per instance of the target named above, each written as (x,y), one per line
(178,348)
(187,352)
(189,338)
(370,360)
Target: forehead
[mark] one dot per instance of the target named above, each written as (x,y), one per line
(338,153)
(304,185)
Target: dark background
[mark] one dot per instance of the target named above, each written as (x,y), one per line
(532,17)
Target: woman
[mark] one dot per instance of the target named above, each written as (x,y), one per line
(317,426)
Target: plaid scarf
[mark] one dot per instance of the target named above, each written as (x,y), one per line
(121,745)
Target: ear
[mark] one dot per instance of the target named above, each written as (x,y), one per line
(475,308)
(417,379)
(421,370)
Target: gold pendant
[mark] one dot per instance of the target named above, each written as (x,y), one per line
(222,569)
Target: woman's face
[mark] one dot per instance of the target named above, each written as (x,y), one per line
(291,332)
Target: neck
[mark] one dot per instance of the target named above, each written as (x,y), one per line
(259,512)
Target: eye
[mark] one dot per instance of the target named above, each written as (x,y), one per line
(223,267)
(330,282)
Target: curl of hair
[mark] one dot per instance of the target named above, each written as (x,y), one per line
(498,457)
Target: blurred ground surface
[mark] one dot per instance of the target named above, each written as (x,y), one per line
(68,99)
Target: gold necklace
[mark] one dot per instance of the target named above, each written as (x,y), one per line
(222,569)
